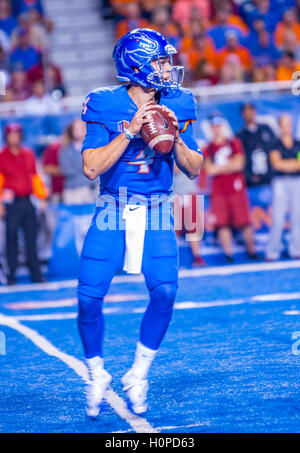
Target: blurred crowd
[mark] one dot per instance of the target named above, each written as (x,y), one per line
(28,183)
(25,56)
(256,161)
(221,41)
(257,165)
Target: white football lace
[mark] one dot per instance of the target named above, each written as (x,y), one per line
(152,126)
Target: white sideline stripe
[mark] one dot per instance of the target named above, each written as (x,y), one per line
(33,304)
(50,317)
(223,303)
(60,316)
(217,303)
(139,424)
(38,287)
(239,269)
(177,306)
(275,297)
(183,273)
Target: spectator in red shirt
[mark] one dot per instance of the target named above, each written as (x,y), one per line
(224,161)
(18,172)
(54,81)
(52,169)
(19,85)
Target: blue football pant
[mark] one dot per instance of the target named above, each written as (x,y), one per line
(102,255)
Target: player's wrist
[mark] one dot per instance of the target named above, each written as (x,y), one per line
(128,134)
(178,140)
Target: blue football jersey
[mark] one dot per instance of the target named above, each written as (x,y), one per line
(107,111)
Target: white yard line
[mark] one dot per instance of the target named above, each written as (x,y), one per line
(47,317)
(239,269)
(187,305)
(61,316)
(72,302)
(138,424)
(41,304)
(226,303)
(183,273)
(275,297)
(53,286)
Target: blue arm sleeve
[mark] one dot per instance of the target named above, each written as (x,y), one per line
(187,137)
(96,135)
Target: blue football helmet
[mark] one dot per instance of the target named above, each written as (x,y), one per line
(137,49)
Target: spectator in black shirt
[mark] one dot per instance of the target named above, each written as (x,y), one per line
(256,139)
(285,161)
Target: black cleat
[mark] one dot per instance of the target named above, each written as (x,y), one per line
(253,256)
(11,280)
(229,259)
(38,279)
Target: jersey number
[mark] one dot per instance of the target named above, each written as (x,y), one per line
(84,106)
(144,159)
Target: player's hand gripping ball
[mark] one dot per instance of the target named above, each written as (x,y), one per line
(160,132)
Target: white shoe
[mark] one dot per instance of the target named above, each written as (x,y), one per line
(136,389)
(95,391)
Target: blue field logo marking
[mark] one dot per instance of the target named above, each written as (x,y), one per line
(2,343)
(296,83)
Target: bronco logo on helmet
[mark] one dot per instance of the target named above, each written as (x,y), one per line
(146,43)
(133,54)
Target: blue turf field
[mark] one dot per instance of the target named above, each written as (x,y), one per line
(226,364)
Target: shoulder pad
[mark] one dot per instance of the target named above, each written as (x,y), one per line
(182,102)
(97,104)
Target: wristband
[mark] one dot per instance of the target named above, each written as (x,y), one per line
(128,134)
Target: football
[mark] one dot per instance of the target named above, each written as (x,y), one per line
(159,134)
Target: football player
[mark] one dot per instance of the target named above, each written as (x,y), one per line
(114,149)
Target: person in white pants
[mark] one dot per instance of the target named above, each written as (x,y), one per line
(285,162)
